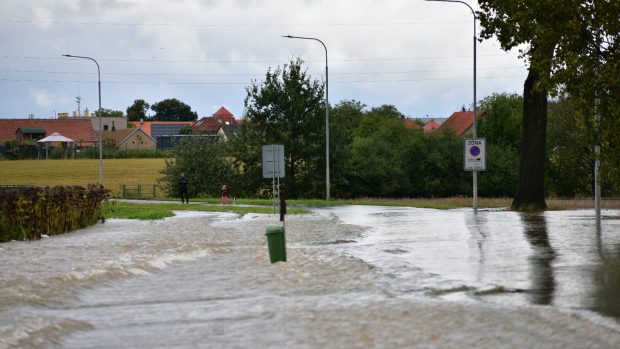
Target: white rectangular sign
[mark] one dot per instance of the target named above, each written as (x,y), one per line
(475,157)
(273,161)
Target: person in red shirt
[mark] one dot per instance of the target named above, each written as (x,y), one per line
(224,193)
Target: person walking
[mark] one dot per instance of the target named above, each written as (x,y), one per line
(224,193)
(183,181)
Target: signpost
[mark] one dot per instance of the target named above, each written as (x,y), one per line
(474,157)
(273,167)
(273,161)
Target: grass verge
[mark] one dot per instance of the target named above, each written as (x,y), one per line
(133,210)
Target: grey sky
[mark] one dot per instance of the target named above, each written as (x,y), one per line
(413,54)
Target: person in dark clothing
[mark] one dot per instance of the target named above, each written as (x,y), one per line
(183,181)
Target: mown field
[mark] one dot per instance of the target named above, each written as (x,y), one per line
(116,172)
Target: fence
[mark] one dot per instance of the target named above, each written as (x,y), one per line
(139,191)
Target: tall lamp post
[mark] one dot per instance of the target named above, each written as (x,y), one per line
(99,115)
(474,132)
(326,112)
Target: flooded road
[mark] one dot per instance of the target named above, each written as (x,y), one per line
(357,277)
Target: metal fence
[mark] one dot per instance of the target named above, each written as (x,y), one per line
(139,191)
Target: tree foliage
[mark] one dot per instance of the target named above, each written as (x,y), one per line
(137,111)
(501,127)
(173,110)
(206,163)
(569,45)
(109,113)
(345,117)
(287,108)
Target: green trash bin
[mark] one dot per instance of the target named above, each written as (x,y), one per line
(276,243)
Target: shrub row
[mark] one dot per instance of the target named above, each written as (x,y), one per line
(27,213)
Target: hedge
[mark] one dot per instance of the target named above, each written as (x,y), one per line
(27,213)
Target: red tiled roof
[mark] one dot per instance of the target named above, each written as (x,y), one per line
(431,126)
(211,124)
(412,124)
(223,112)
(76,129)
(460,122)
(146,125)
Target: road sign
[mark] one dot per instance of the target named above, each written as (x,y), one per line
(474,157)
(273,161)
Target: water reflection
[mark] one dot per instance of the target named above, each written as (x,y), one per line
(541,259)
(478,228)
(606,283)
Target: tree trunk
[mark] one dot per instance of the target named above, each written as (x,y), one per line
(530,191)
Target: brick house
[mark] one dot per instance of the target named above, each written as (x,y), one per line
(211,124)
(129,139)
(21,130)
(431,126)
(460,122)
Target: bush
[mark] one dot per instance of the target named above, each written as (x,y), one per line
(207,165)
(26,213)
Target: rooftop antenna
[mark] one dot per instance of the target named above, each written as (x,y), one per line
(78,99)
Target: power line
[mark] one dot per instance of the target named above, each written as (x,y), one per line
(154,60)
(220,25)
(251,74)
(249,82)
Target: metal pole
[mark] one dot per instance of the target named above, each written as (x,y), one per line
(597,161)
(99,115)
(474,131)
(327,183)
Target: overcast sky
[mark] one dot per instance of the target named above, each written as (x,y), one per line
(414,54)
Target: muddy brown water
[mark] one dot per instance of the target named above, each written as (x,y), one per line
(356,277)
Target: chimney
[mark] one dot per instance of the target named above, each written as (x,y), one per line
(86,113)
(74,114)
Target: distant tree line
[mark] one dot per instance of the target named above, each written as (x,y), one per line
(170,109)
(374,154)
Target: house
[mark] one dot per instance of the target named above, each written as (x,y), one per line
(107,122)
(431,126)
(129,139)
(156,129)
(409,123)
(229,132)
(32,134)
(460,122)
(80,130)
(211,124)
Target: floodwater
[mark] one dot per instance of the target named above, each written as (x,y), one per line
(356,277)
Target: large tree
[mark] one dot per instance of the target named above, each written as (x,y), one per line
(173,110)
(345,117)
(563,42)
(287,108)
(137,111)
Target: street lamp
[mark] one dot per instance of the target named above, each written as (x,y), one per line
(326,111)
(99,115)
(475,173)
